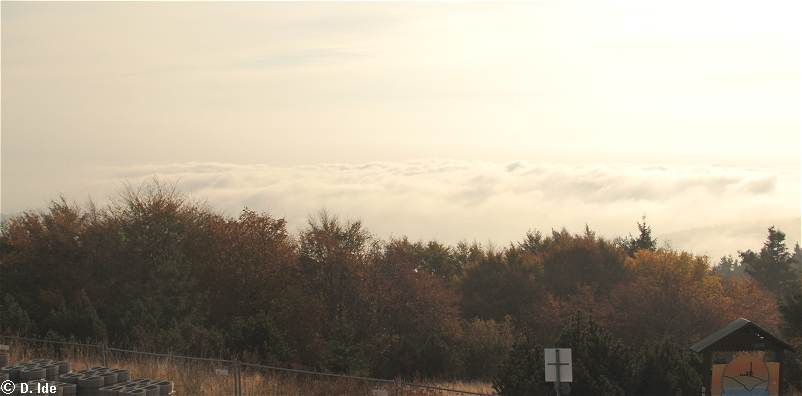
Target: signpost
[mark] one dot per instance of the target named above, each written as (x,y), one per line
(559,367)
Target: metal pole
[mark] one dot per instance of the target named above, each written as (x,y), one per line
(557,383)
(237,383)
(103,353)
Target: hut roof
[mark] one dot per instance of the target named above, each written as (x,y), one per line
(739,332)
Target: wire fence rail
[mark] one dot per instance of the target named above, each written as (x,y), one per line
(200,375)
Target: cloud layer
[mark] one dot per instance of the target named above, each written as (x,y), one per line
(498,202)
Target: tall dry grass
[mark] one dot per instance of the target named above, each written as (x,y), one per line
(204,378)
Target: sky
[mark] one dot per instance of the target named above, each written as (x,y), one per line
(454,121)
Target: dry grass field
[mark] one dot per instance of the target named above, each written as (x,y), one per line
(208,378)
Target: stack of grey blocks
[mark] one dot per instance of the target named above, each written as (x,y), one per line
(90,381)
(54,378)
(105,381)
(39,374)
(3,363)
(3,356)
(139,387)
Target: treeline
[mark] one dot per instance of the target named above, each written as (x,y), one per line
(156,271)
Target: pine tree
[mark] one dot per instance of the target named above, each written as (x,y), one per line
(522,374)
(14,319)
(602,364)
(796,259)
(644,241)
(728,266)
(668,368)
(773,265)
(791,311)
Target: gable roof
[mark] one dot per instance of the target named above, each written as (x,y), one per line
(733,327)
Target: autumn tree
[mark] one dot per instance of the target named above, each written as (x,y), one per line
(414,316)
(253,283)
(160,243)
(746,298)
(691,301)
(334,259)
(575,261)
(43,257)
(501,284)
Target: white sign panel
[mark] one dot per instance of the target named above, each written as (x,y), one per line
(221,371)
(559,357)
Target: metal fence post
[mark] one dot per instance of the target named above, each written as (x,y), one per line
(104,353)
(237,381)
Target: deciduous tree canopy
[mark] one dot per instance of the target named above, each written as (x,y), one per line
(157,271)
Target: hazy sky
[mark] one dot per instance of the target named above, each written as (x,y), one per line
(435,120)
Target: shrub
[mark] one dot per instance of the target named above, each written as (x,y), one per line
(667,368)
(601,363)
(14,319)
(521,374)
(486,343)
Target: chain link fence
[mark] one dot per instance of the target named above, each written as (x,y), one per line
(196,376)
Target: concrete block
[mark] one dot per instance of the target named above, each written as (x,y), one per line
(165,387)
(31,373)
(122,375)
